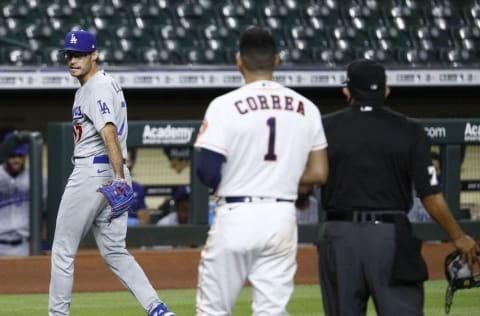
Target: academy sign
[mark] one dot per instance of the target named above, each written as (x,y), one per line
(167,135)
(472,132)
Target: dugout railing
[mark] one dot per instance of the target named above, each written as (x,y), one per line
(449,134)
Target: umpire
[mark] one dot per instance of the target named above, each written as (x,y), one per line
(366,247)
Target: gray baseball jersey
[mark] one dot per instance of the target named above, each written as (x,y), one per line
(99,101)
(14,213)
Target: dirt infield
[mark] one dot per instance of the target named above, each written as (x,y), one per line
(167,269)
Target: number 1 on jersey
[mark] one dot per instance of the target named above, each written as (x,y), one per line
(270,155)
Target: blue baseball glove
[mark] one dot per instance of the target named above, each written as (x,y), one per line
(119,195)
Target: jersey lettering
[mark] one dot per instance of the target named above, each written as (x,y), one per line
(262,102)
(270,155)
(433,175)
(103,107)
(77,113)
(276,102)
(16,198)
(252,104)
(77,133)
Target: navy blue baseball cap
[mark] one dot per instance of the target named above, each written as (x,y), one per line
(182,192)
(79,41)
(21,150)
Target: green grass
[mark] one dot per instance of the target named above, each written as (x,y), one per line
(306,301)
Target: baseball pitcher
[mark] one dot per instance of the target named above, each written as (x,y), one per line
(98,194)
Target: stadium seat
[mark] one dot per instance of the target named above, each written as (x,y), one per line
(296,56)
(404,15)
(333,58)
(106,16)
(415,57)
(321,16)
(64,17)
(363,15)
(237,16)
(432,38)
(147,15)
(444,15)
(412,33)
(467,37)
(458,57)
(206,56)
(193,15)
(21,56)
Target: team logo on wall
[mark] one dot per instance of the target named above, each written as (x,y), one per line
(167,134)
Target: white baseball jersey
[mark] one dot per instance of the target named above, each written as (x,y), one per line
(266,132)
(94,106)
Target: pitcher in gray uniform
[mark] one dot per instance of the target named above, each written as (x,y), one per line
(100,128)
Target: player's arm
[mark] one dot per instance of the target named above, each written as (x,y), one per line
(316,170)
(114,150)
(209,167)
(437,207)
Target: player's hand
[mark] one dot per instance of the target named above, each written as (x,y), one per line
(119,196)
(469,249)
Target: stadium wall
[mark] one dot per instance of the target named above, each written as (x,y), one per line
(33,109)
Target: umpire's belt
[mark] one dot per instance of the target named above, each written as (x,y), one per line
(252,199)
(363,216)
(99,159)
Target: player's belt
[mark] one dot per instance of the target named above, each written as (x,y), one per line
(99,159)
(362,216)
(14,242)
(104,159)
(253,199)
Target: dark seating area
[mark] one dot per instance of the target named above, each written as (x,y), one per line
(326,33)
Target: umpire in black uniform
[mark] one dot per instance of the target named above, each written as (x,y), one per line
(366,246)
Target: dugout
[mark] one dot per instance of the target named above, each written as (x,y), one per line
(450,136)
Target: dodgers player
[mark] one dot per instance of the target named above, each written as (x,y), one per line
(257,143)
(100,132)
(15,204)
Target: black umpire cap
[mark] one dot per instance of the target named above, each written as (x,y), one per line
(366,79)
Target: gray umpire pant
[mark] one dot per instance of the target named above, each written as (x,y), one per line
(355,263)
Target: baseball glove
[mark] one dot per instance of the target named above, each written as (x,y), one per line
(459,276)
(119,195)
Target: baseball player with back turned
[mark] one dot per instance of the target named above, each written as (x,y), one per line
(100,132)
(257,143)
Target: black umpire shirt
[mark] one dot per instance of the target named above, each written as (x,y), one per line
(375,156)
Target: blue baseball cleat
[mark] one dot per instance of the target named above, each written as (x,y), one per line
(161,310)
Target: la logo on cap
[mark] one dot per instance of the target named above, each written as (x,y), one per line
(73,39)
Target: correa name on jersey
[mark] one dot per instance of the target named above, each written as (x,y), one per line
(167,135)
(271,102)
(17,197)
(472,132)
